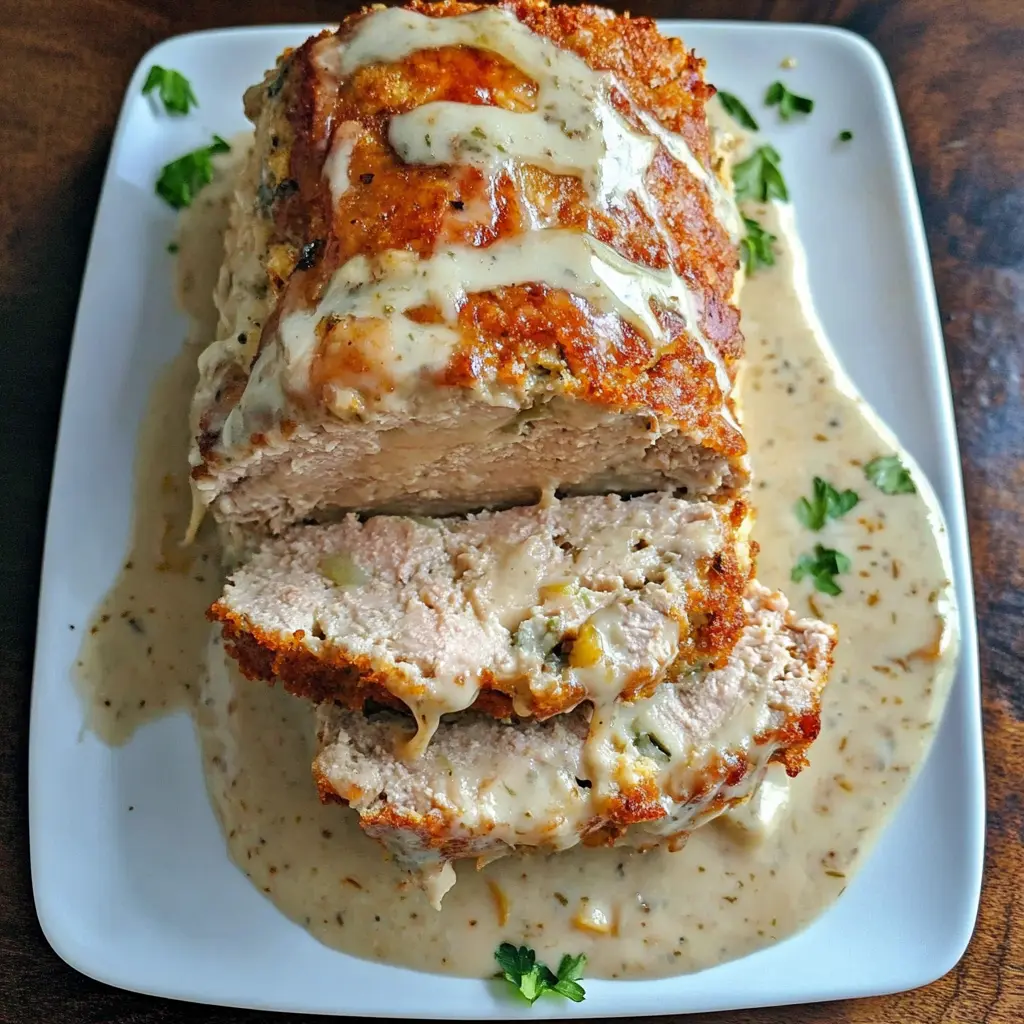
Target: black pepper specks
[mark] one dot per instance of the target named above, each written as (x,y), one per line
(458,204)
(310,255)
(366,178)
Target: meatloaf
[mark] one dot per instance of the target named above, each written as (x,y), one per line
(527,611)
(642,773)
(478,253)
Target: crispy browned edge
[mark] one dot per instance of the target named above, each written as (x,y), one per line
(433,831)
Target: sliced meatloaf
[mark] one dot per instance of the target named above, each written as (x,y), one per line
(640,774)
(477,253)
(528,611)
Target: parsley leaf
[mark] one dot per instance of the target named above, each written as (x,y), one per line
(520,968)
(756,246)
(845,135)
(737,110)
(825,503)
(174,88)
(181,179)
(889,475)
(758,177)
(822,567)
(789,103)
(569,972)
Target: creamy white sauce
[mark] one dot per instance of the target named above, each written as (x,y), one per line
(749,879)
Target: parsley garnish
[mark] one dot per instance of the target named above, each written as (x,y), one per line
(845,135)
(826,503)
(736,109)
(789,103)
(519,967)
(822,567)
(889,475)
(181,179)
(172,248)
(756,246)
(758,177)
(174,88)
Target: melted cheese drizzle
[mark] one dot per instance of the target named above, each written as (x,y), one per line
(385,287)
(574,130)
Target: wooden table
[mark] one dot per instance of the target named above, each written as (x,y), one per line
(959,72)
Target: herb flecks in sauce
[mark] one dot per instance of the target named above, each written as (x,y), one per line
(181,179)
(823,566)
(520,968)
(173,88)
(845,135)
(889,475)
(737,110)
(824,504)
(789,103)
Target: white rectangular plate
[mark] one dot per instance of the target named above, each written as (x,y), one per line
(148,900)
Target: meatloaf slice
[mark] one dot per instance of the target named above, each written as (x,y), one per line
(639,774)
(425,310)
(527,611)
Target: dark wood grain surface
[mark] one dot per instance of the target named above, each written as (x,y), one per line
(959,72)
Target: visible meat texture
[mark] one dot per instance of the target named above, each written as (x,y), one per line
(530,610)
(645,773)
(530,386)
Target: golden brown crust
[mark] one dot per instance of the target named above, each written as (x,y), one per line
(508,333)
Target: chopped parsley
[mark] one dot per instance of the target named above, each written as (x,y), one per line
(181,179)
(758,177)
(789,103)
(889,475)
(845,135)
(823,566)
(756,246)
(531,979)
(825,503)
(172,248)
(173,87)
(737,110)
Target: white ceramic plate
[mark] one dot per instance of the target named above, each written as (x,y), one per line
(149,901)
